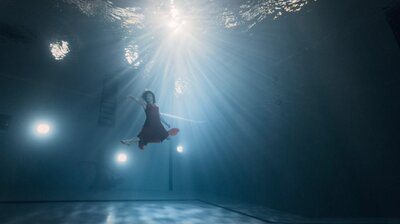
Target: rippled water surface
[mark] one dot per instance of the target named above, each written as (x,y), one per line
(228,15)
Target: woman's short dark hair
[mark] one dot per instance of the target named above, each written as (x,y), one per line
(148,92)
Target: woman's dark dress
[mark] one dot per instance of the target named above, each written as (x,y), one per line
(153,130)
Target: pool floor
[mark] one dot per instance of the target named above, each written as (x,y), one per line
(184,212)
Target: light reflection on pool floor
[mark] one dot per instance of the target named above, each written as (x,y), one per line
(185,212)
(152,212)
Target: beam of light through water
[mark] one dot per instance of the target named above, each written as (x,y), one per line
(201,64)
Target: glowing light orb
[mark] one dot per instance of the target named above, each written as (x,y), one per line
(43,129)
(179,149)
(132,55)
(180,86)
(59,49)
(121,157)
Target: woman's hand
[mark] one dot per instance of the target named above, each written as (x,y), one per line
(140,102)
(132,98)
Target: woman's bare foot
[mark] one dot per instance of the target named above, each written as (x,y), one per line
(173,131)
(130,141)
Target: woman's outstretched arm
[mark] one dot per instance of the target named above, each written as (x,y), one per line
(139,101)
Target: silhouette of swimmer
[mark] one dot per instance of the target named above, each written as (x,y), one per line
(152,131)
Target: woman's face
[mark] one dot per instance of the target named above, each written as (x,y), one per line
(149,98)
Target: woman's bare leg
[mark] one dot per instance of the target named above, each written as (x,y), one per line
(130,141)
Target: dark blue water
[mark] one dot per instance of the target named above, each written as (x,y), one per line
(289,107)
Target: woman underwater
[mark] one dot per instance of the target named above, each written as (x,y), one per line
(152,131)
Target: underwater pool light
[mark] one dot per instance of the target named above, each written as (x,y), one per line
(179,149)
(121,157)
(43,128)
